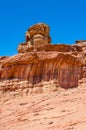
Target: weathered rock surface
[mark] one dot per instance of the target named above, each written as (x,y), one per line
(42,68)
(24,47)
(36,36)
(36,67)
(80,52)
(39,63)
(61,110)
(37,33)
(80,42)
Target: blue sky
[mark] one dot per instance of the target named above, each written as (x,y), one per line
(66,18)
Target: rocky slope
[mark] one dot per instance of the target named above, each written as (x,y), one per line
(61,110)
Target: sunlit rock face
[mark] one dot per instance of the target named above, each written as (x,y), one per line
(80,53)
(36,36)
(80,41)
(41,66)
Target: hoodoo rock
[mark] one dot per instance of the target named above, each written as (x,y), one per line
(37,35)
(41,66)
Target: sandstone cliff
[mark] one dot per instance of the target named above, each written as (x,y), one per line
(28,79)
(40,63)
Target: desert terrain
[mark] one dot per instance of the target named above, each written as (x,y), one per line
(59,110)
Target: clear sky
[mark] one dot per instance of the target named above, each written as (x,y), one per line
(66,18)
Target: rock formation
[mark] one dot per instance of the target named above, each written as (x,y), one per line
(80,52)
(39,68)
(42,66)
(37,35)
(80,41)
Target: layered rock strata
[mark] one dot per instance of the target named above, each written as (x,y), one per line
(80,53)
(41,66)
(80,42)
(37,68)
(37,35)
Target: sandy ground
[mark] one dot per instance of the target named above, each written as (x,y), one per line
(61,110)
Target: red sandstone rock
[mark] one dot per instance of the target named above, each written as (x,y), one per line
(24,47)
(80,53)
(44,69)
(36,36)
(38,67)
(38,31)
(40,62)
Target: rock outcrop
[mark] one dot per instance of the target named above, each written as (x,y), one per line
(80,52)
(80,41)
(37,35)
(25,48)
(27,79)
(40,65)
